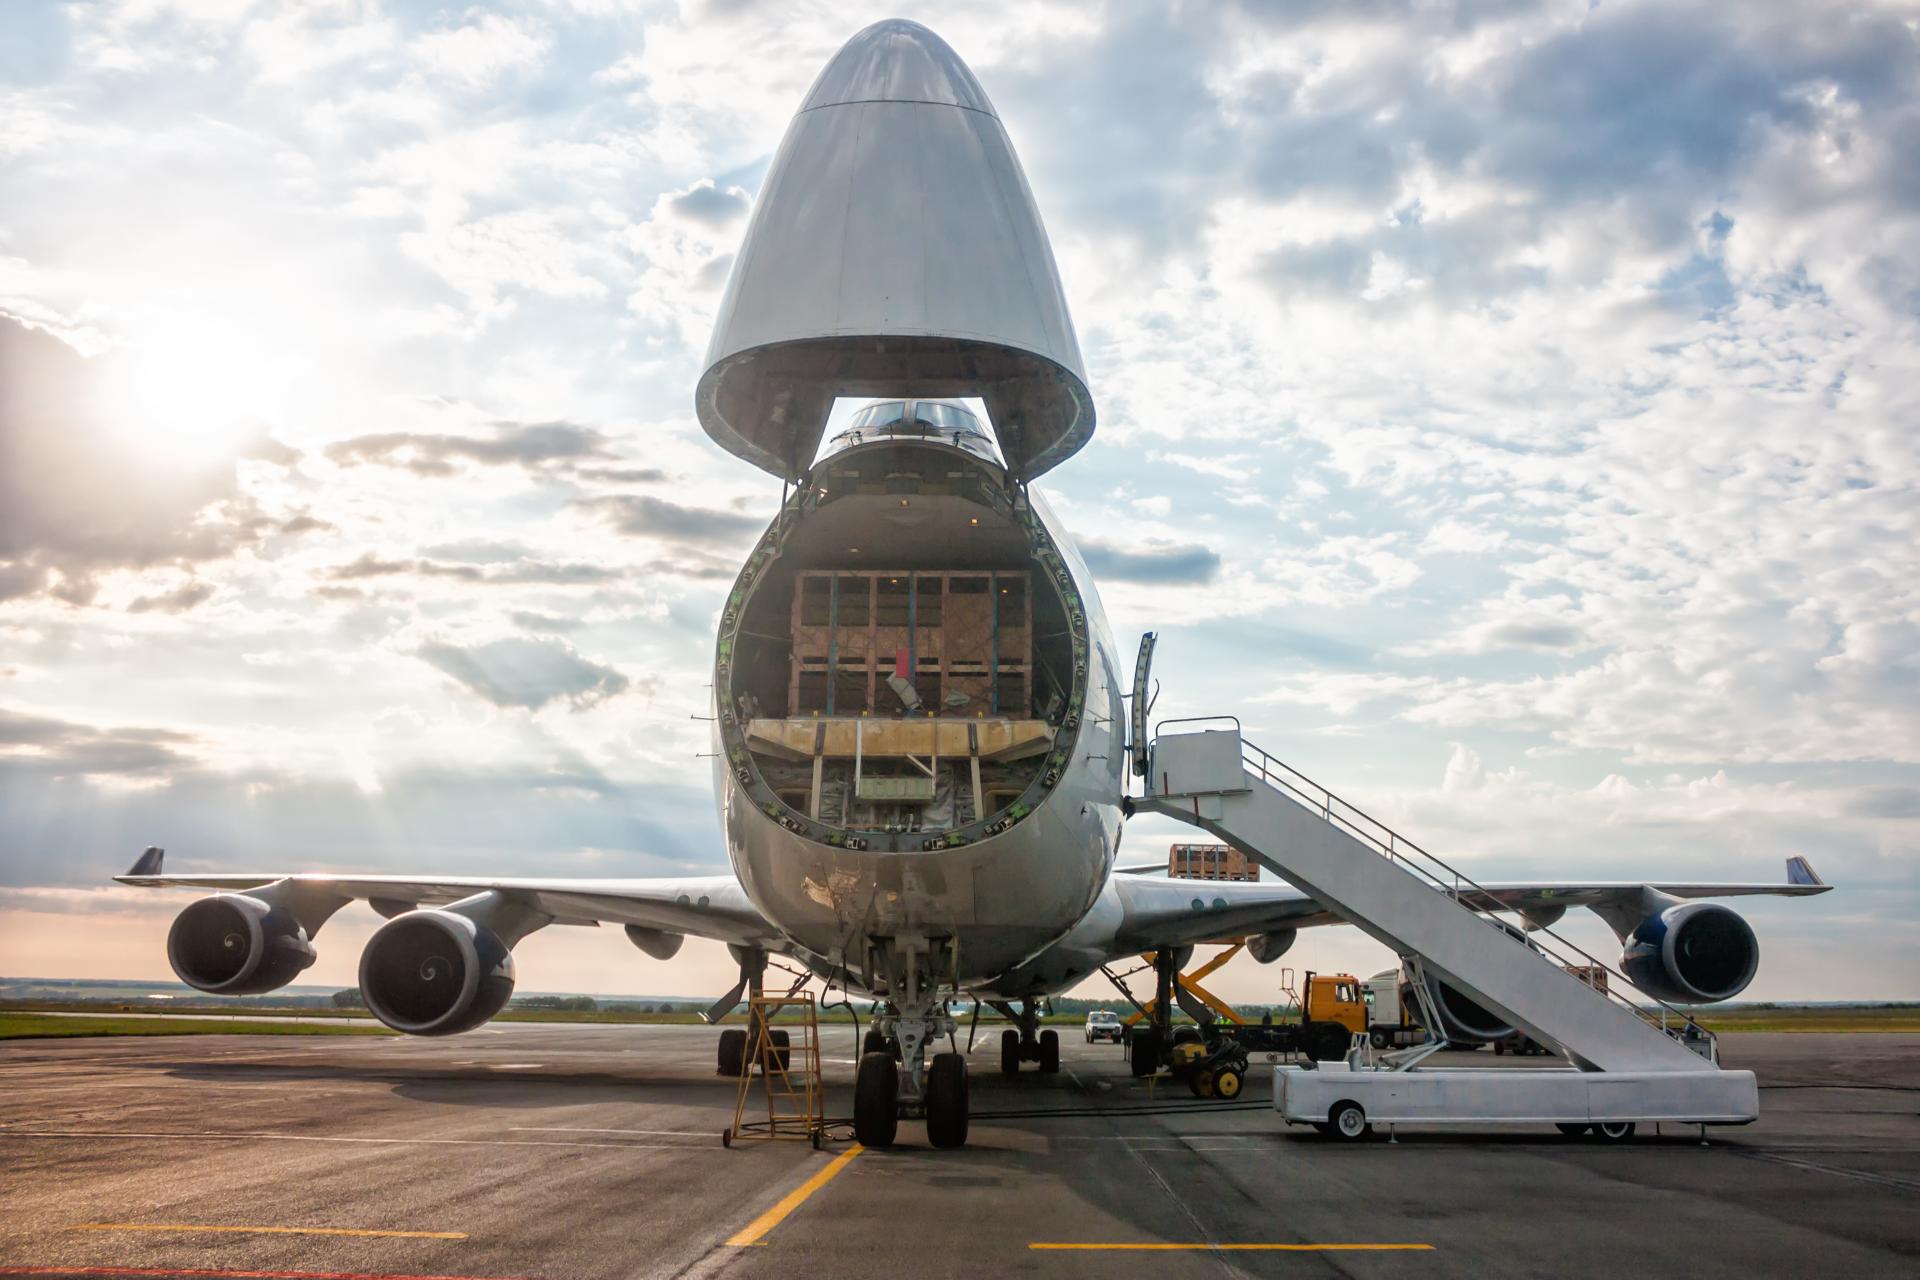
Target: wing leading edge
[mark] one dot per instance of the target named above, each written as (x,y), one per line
(704,906)
(1162,913)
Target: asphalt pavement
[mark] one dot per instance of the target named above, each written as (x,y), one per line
(545,1150)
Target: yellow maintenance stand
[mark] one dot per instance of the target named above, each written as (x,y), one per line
(790,1082)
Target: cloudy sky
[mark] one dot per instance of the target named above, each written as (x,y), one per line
(1509,410)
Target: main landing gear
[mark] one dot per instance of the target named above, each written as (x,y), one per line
(1028,1043)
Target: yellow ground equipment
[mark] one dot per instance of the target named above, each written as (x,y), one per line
(789,1073)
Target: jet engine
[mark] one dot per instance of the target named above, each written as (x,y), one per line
(1462,1020)
(1694,953)
(1268,947)
(235,945)
(435,972)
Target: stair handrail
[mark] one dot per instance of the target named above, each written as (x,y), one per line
(1276,773)
(1271,768)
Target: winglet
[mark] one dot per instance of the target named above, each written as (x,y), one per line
(149,863)
(1800,871)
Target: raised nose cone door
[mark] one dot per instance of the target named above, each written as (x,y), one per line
(894,250)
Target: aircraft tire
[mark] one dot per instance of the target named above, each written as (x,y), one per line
(873,1042)
(947,1100)
(733,1053)
(1143,1052)
(876,1096)
(1049,1052)
(1010,1053)
(782,1050)
(1328,1042)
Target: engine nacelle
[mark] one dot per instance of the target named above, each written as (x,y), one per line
(435,973)
(1268,947)
(1462,1020)
(235,945)
(1695,953)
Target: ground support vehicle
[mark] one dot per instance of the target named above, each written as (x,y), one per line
(1104,1024)
(1345,1102)
(1213,1067)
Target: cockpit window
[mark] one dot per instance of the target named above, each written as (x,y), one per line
(880,415)
(944,417)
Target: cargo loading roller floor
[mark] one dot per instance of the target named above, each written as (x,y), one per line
(1629,1064)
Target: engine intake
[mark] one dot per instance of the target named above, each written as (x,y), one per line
(1695,953)
(435,973)
(1462,1019)
(1268,947)
(235,945)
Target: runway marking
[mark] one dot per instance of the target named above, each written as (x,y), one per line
(305,1137)
(84,1270)
(648,1133)
(1241,1248)
(753,1232)
(268,1231)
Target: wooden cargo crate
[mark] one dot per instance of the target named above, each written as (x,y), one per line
(964,640)
(1210,862)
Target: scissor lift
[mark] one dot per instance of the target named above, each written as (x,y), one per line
(1630,1064)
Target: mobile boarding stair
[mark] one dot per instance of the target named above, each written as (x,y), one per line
(1631,1064)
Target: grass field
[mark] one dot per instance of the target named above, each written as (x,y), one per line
(18,1020)
(40,1026)
(1904,1017)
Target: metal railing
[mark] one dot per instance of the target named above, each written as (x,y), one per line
(1445,878)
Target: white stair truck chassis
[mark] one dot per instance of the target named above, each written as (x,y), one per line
(1515,1095)
(1626,1067)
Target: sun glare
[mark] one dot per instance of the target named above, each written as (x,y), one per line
(191,388)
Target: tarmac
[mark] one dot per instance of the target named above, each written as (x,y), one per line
(552,1150)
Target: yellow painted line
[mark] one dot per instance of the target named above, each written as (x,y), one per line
(267,1231)
(1244,1248)
(753,1231)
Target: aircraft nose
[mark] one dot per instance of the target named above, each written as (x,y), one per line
(897,61)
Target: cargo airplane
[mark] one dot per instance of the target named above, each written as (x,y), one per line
(921,759)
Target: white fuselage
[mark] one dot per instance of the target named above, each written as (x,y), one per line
(1001,900)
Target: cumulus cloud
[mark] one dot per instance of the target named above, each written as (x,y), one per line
(519,571)
(1151,561)
(526,673)
(530,445)
(51,747)
(644,516)
(75,501)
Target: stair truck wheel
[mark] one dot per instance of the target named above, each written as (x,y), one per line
(1614,1131)
(782,1048)
(1226,1083)
(1010,1053)
(1347,1122)
(1049,1052)
(947,1100)
(876,1094)
(733,1052)
(1573,1130)
(1143,1052)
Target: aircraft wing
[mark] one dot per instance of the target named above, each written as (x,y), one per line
(703,906)
(1169,913)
